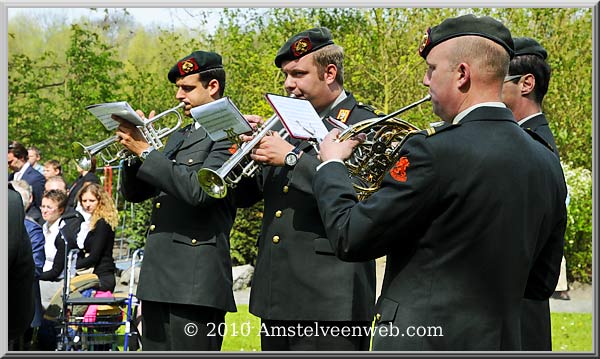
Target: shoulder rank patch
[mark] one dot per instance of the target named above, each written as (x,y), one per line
(539,138)
(343,115)
(370,108)
(439,128)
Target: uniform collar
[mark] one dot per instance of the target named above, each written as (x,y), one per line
(465,112)
(341,97)
(521,122)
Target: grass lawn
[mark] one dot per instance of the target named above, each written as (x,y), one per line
(571,332)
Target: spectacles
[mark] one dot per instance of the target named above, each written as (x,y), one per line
(512,78)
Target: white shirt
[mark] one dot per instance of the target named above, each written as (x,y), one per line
(19,175)
(522,121)
(50,233)
(465,112)
(84,228)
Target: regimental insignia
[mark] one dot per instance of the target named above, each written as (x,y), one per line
(343,115)
(399,171)
(426,41)
(187,66)
(233,149)
(301,47)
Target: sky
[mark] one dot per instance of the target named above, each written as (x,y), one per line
(166,17)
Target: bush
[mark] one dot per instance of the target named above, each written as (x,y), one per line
(578,236)
(134,221)
(244,234)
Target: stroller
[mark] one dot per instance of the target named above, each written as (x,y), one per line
(97,323)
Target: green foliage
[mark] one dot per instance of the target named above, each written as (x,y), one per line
(578,236)
(244,235)
(572,332)
(134,219)
(56,69)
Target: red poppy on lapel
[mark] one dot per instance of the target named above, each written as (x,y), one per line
(399,170)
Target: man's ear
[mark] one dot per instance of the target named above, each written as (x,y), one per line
(213,87)
(330,73)
(527,84)
(463,74)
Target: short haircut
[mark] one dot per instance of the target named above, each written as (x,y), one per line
(490,57)
(18,150)
(59,179)
(539,68)
(331,54)
(213,74)
(55,164)
(57,196)
(33,148)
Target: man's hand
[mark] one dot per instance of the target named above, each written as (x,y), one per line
(130,136)
(331,149)
(271,150)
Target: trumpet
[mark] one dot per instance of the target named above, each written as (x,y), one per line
(83,154)
(239,165)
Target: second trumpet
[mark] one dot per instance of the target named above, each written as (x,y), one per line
(83,154)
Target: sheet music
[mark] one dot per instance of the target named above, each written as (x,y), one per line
(299,117)
(104,111)
(219,118)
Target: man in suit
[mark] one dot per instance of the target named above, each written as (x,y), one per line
(22,170)
(20,271)
(298,282)
(472,215)
(185,281)
(523,92)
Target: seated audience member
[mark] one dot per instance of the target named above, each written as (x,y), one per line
(53,208)
(97,248)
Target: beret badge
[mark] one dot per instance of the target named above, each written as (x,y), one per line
(187,66)
(301,46)
(426,40)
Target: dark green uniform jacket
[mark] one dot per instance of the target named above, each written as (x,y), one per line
(472,219)
(186,256)
(297,276)
(535,318)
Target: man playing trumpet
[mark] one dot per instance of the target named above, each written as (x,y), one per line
(185,281)
(298,282)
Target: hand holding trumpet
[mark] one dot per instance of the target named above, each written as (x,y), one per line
(130,136)
(271,149)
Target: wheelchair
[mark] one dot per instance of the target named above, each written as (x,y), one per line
(97,323)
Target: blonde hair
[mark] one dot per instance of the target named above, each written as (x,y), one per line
(106,207)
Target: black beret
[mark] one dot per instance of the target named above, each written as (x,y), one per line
(467,25)
(303,44)
(194,63)
(528,46)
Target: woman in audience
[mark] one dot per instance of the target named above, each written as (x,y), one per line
(99,242)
